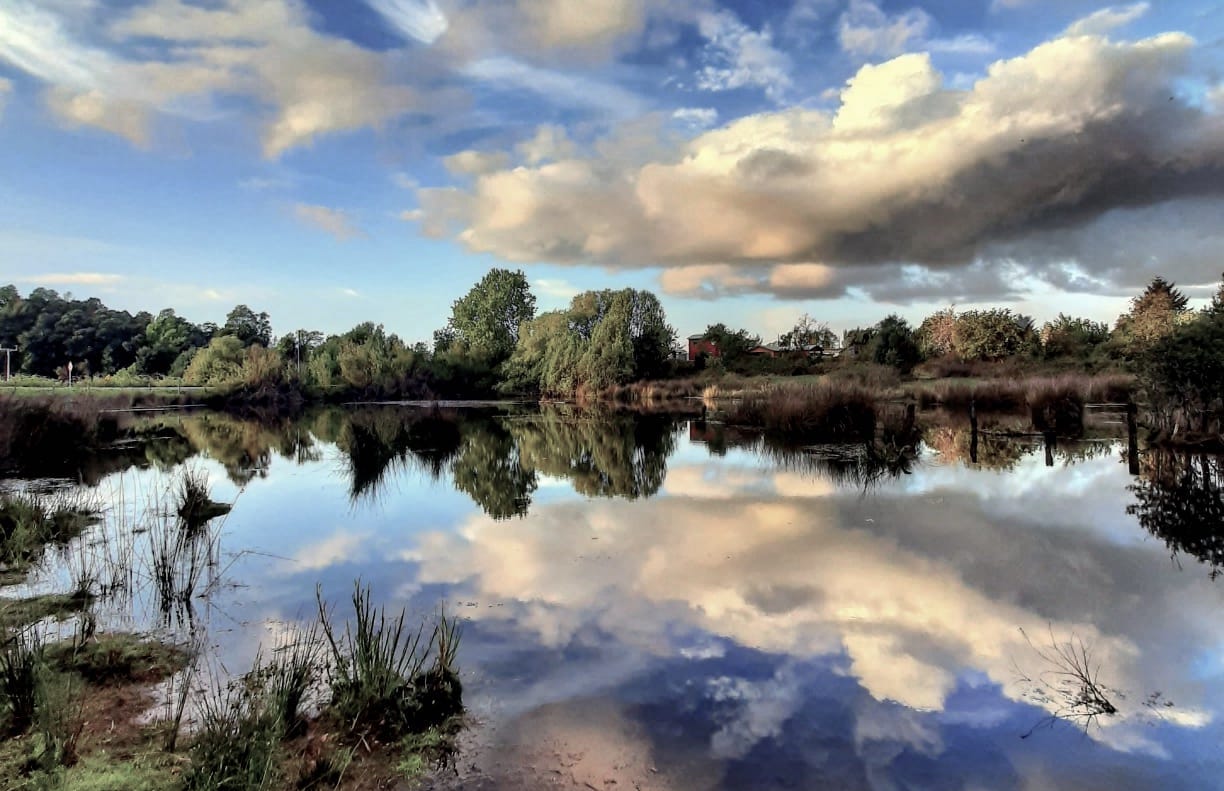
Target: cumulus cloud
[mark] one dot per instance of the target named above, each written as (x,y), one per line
(307,83)
(737,56)
(793,586)
(334,221)
(906,172)
(548,27)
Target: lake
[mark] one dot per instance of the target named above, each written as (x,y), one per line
(664,603)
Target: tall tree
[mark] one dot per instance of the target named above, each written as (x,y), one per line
(248,326)
(487,319)
(1153,315)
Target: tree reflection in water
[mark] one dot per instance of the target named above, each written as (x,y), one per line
(1178,500)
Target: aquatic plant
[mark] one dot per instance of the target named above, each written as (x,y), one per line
(382,679)
(29,522)
(21,678)
(827,411)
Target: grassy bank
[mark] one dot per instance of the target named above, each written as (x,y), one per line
(822,412)
(365,703)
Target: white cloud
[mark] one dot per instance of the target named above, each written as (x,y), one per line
(73,279)
(6,87)
(696,117)
(557,289)
(1107,19)
(737,56)
(866,30)
(966,44)
(404,180)
(334,221)
(350,292)
(550,143)
(420,20)
(547,28)
(412,215)
(307,83)
(474,163)
(906,172)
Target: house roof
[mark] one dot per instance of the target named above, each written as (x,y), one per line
(698,337)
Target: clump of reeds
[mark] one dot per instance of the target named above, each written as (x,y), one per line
(387,680)
(21,679)
(195,504)
(237,743)
(827,411)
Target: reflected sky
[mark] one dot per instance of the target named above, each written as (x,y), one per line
(683,615)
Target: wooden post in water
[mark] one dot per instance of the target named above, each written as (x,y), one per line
(973,438)
(1050,441)
(1132,437)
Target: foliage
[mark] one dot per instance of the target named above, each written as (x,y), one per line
(891,342)
(732,344)
(937,333)
(993,334)
(485,322)
(1184,372)
(808,332)
(51,330)
(219,362)
(1154,314)
(1067,336)
(169,343)
(248,327)
(605,338)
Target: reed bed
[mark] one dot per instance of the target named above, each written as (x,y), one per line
(827,411)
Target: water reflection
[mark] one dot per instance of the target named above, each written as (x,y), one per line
(690,607)
(1178,499)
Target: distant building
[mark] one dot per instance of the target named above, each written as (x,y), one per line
(699,344)
(775,350)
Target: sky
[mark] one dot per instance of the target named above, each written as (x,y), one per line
(336,161)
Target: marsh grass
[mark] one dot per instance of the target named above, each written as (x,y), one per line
(827,411)
(195,506)
(387,680)
(21,676)
(30,522)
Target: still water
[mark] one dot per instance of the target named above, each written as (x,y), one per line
(658,603)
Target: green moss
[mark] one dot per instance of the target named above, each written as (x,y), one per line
(121,657)
(433,747)
(16,613)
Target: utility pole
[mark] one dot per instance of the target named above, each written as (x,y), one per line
(8,353)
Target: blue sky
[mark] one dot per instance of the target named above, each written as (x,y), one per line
(331,162)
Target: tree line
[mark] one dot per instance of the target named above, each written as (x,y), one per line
(495,343)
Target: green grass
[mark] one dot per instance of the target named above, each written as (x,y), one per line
(18,613)
(28,523)
(117,657)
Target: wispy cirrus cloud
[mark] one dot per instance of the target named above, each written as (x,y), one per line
(336,222)
(737,56)
(73,279)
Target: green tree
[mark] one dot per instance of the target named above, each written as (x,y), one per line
(937,333)
(894,343)
(994,334)
(732,345)
(1067,336)
(808,332)
(220,362)
(248,326)
(1153,315)
(487,319)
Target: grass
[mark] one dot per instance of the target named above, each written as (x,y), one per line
(117,657)
(1018,393)
(823,412)
(195,504)
(28,523)
(18,613)
(21,669)
(386,680)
